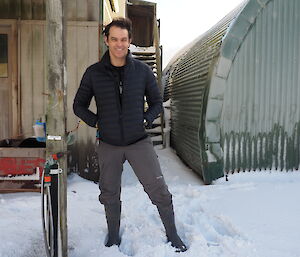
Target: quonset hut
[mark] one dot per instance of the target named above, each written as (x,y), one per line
(235,92)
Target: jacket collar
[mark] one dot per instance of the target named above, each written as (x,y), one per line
(106,60)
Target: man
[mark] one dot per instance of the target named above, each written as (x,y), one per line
(119,83)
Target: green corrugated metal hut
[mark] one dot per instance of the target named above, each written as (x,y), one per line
(235,92)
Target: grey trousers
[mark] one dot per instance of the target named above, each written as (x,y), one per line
(144,162)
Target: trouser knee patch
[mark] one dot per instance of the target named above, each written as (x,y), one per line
(158,193)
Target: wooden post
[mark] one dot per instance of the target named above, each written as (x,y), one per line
(102,46)
(56,108)
(156,36)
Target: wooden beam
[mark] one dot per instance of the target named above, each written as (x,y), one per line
(56,109)
(22,152)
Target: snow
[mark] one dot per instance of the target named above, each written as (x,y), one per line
(34,176)
(140,49)
(254,214)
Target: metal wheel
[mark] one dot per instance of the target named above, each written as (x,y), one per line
(47,219)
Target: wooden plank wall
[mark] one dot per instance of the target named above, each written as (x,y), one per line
(32,74)
(77,10)
(8,86)
(5,113)
(80,54)
(82,51)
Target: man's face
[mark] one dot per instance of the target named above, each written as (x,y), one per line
(118,42)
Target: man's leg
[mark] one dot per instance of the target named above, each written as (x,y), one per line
(111,159)
(144,162)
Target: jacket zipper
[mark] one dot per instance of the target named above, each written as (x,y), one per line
(120,108)
(117,91)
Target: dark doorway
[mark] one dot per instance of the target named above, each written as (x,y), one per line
(142,16)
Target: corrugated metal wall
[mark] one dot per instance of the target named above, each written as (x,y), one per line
(235,93)
(188,79)
(261,108)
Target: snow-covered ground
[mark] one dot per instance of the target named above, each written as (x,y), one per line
(251,215)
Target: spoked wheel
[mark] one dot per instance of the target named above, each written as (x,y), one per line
(49,216)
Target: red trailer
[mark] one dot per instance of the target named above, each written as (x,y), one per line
(21,168)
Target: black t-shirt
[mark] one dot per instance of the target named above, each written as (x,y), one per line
(119,73)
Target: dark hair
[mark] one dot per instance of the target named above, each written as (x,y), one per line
(123,23)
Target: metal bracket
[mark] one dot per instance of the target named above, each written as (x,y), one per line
(56,138)
(55,171)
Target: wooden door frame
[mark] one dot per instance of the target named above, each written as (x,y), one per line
(10,26)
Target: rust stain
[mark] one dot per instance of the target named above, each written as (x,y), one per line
(60,95)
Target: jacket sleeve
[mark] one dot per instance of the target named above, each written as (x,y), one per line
(153,97)
(83,99)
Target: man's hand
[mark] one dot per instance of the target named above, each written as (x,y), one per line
(147,124)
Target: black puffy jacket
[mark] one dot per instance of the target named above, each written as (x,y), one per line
(118,124)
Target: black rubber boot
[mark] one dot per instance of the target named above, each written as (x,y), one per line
(113,213)
(167,217)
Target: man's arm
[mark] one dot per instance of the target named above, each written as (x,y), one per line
(153,97)
(83,99)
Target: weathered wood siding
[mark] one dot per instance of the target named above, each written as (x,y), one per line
(82,50)
(8,84)
(33,86)
(77,10)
